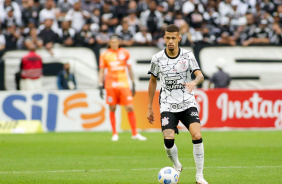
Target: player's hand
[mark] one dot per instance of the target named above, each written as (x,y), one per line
(189,86)
(133,89)
(101,92)
(150,116)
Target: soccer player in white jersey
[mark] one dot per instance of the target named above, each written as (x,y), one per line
(174,66)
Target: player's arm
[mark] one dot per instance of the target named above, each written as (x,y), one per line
(198,80)
(151,93)
(131,75)
(101,81)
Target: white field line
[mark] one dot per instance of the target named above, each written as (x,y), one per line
(140,169)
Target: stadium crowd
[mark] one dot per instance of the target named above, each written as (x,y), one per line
(89,23)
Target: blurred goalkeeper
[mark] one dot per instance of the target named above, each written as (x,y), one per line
(116,60)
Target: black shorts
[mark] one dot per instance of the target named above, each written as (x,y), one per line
(170,120)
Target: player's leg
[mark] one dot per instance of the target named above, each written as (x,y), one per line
(113,122)
(131,118)
(132,122)
(126,99)
(111,99)
(190,119)
(169,126)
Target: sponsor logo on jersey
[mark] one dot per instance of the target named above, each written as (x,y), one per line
(171,83)
(165,121)
(180,105)
(194,114)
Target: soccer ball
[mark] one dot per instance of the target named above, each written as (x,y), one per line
(168,175)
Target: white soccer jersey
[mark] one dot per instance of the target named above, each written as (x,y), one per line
(173,72)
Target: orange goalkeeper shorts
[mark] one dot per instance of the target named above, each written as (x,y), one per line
(121,96)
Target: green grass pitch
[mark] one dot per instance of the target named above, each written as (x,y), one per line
(232,157)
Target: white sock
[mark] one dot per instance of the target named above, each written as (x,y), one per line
(198,152)
(172,154)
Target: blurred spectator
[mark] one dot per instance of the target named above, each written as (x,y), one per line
(66,34)
(141,6)
(211,15)
(103,36)
(225,35)
(133,20)
(31,70)
(16,8)
(267,6)
(98,4)
(173,5)
(109,17)
(10,18)
(132,6)
(225,8)
(96,16)
(85,37)
(208,38)
(276,19)
(2,44)
(63,6)
(195,18)
(126,34)
(179,19)
(49,12)
(143,37)
(242,6)
(77,16)
(261,34)
(30,12)
(33,39)
(28,27)
(12,36)
(152,18)
(125,23)
(197,36)
(48,36)
(220,79)
(168,17)
(88,5)
(279,12)
(121,9)
(276,37)
(158,39)
(66,79)
(186,37)
(189,6)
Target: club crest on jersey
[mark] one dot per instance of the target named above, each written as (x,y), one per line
(121,56)
(183,65)
(165,121)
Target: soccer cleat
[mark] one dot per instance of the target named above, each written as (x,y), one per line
(179,169)
(139,137)
(201,181)
(115,137)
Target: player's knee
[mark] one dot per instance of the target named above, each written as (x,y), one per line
(169,143)
(196,136)
(129,108)
(112,108)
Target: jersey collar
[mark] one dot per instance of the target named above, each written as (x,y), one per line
(172,57)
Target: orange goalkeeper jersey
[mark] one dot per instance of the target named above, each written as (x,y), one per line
(116,62)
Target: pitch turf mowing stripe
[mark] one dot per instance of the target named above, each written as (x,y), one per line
(141,169)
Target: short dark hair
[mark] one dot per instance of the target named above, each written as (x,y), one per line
(172,28)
